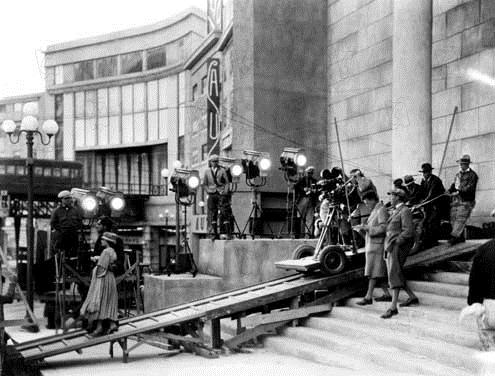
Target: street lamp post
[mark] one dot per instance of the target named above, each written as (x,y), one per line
(29,126)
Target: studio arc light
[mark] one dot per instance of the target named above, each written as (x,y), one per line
(292,162)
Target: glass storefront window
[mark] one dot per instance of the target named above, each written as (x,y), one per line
(131,63)
(106,67)
(156,57)
(83,70)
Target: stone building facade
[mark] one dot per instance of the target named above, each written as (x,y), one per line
(369,53)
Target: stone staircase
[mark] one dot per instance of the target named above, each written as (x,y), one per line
(422,340)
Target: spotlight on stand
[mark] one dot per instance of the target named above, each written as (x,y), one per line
(185,184)
(234,171)
(87,201)
(256,166)
(112,200)
(292,161)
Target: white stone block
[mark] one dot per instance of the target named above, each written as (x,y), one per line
(476,94)
(486,122)
(486,174)
(443,102)
(441,6)
(458,71)
(440,129)
(465,124)
(446,50)
(376,55)
(340,9)
(378,9)
(438,28)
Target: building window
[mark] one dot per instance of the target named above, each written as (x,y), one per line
(68,71)
(106,67)
(156,58)
(203,85)
(84,70)
(195,92)
(131,63)
(59,74)
(204,152)
(59,118)
(181,149)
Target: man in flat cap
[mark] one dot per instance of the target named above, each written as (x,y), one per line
(398,242)
(306,198)
(463,193)
(66,221)
(216,181)
(431,190)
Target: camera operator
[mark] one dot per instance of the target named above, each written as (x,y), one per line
(216,181)
(66,222)
(305,190)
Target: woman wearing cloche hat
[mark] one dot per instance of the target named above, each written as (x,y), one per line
(101,304)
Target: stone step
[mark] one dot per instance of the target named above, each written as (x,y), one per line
(451,332)
(376,354)
(430,313)
(438,350)
(439,301)
(303,350)
(447,277)
(439,288)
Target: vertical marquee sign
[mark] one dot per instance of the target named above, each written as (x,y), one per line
(212,106)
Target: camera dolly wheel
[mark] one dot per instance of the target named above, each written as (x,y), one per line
(332,259)
(302,251)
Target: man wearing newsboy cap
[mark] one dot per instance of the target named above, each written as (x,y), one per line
(463,192)
(66,221)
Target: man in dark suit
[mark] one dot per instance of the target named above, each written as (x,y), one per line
(431,187)
(398,242)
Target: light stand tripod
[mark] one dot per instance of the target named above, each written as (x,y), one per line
(184,260)
(253,216)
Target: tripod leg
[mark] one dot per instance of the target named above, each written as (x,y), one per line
(247,223)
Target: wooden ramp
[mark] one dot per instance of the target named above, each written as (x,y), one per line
(292,292)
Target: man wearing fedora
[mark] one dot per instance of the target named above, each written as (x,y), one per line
(431,189)
(216,181)
(463,193)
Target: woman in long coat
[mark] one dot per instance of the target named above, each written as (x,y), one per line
(101,304)
(374,230)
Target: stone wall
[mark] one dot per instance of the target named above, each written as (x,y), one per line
(464,75)
(360,86)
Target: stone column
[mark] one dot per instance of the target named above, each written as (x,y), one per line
(411,86)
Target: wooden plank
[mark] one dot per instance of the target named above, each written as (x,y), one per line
(235,342)
(443,252)
(286,315)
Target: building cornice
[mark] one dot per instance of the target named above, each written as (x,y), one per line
(128,33)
